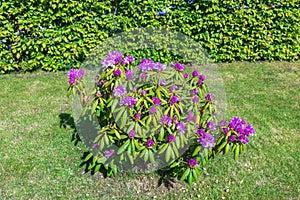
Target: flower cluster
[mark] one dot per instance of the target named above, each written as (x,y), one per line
(113,58)
(205,139)
(149,65)
(241,128)
(75,74)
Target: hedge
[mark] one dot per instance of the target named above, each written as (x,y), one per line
(59,34)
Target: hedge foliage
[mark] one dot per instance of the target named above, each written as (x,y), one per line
(59,34)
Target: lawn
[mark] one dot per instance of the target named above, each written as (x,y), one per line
(39,160)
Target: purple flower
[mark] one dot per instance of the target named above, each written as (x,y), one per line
(131,133)
(100,83)
(178,67)
(150,143)
(108,61)
(195,91)
(173,88)
(173,100)
(202,77)
(96,146)
(195,73)
(72,81)
(158,66)
(128,101)
(156,100)
(128,59)
(74,74)
(243,139)
(211,126)
(191,117)
(209,97)
(231,138)
(143,75)
(181,127)
(146,65)
(199,83)
(152,110)
(192,163)
(143,93)
(120,91)
(206,140)
(129,74)
(117,72)
(166,120)
(226,130)
(109,153)
(248,130)
(80,74)
(175,119)
(222,123)
(88,98)
(195,99)
(201,132)
(137,116)
(134,89)
(186,75)
(162,82)
(98,93)
(171,138)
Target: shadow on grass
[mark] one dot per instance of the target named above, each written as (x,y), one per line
(67,121)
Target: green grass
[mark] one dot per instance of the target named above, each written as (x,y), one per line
(38,160)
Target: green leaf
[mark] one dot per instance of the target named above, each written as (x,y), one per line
(236,152)
(185,174)
(196,151)
(88,157)
(123,147)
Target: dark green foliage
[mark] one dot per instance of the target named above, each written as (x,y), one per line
(55,35)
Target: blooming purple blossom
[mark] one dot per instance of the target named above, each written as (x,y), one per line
(173,88)
(96,146)
(128,59)
(191,117)
(181,127)
(206,140)
(152,110)
(226,130)
(117,72)
(186,75)
(162,83)
(146,65)
(143,76)
(231,138)
(131,133)
(129,74)
(222,123)
(195,91)
(243,139)
(98,93)
(201,132)
(100,83)
(173,100)
(248,130)
(195,99)
(109,153)
(195,73)
(202,77)
(171,138)
(209,97)
(166,120)
(112,58)
(192,163)
(150,143)
(119,91)
(159,66)
(128,101)
(179,67)
(211,126)
(199,83)
(74,74)
(137,116)
(156,100)
(143,93)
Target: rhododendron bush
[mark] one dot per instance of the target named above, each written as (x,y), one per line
(153,116)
